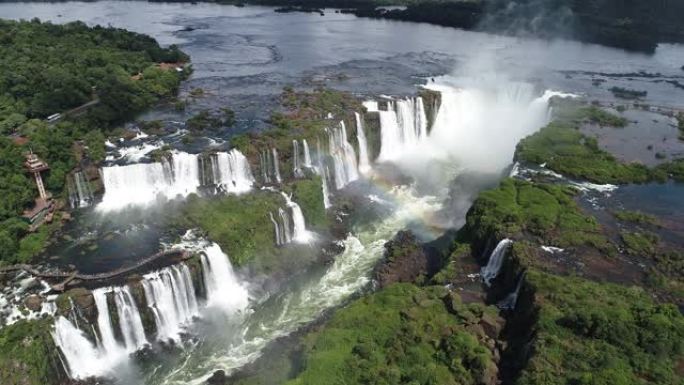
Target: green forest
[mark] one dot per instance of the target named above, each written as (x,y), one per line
(53,69)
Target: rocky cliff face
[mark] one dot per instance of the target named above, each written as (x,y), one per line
(404,260)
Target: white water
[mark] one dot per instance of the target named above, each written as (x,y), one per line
(322,170)
(170,296)
(286,229)
(129,319)
(344,156)
(276,165)
(224,289)
(364,162)
(298,304)
(307,154)
(491,270)
(80,193)
(82,358)
(141,184)
(279,234)
(232,172)
(299,232)
(403,125)
(296,162)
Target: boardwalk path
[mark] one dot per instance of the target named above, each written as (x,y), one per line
(67,277)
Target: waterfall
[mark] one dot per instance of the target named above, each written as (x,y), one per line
(80,194)
(344,156)
(265,167)
(511,299)
(129,319)
(181,175)
(490,271)
(307,154)
(299,232)
(325,175)
(143,183)
(371,105)
(83,358)
(232,172)
(279,236)
(296,163)
(270,167)
(276,165)
(290,225)
(108,343)
(224,290)
(465,130)
(364,163)
(170,295)
(322,170)
(404,124)
(285,226)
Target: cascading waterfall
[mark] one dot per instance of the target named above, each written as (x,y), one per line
(224,290)
(290,225)
(325,176)
(285,226)
(491,270)
(264,161)
(80,193)
(170,295)
(107,341)
(129,319)
(276,165)
(299,232)
(181,175)
(279,235)
(322,170)
(511,299)
(82,358)
(343,155)
(364,162)
(270,167)
(465,131)
(232,172)
(404,124)
(307,154)
(296,162)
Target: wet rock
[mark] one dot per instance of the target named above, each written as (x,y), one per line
(218,378)
(33,302)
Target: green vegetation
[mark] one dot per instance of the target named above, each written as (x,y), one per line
(403,334)
(603,118)
(28,355)
(565,150)
(240,224)
(308,194)
(593,333)
(625,93)
(205,120)
(305,116)
(50,69)
(543,210)
(640,243)
(635,217)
